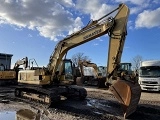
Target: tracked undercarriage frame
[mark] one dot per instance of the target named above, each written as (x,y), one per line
(50,95)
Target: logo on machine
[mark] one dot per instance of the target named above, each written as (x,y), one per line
(96,32)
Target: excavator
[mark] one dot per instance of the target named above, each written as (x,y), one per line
(88,64)
(94,78)
(48,84)
(23,61)
(9,77)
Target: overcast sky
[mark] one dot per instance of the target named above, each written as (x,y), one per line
(33,27)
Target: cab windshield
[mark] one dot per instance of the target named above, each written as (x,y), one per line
(1,68)
(151,71)
(68,70)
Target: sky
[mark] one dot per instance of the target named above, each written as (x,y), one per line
(32,28)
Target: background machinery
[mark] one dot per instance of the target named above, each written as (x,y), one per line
(48,84)
(23,61)
(10,76)
(90,74)
(7,77)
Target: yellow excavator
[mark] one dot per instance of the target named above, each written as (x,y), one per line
(93,78)
(48,84)
(88,64)
(9,77)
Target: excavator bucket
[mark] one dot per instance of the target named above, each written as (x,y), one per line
(128,94)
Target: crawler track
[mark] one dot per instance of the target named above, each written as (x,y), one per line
(41,95)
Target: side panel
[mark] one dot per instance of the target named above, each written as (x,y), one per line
(6,75)
(32,77)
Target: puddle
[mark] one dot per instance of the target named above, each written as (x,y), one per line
(101,106)
(23,114)
(98,103)
(8,115)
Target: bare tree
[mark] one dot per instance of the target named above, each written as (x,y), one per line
(136,62)
(79,56)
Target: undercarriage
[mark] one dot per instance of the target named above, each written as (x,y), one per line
(50,95)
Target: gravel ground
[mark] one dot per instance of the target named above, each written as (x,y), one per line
(100,104)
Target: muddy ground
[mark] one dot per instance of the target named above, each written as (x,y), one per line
(100,104)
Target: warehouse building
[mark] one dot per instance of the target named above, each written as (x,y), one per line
(5,60)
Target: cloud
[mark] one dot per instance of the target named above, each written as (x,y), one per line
(101,40)
(76,26)
(94,8)
(135,10)
(50,17)
(148,19)
(156,1)
(136,5)
(136,2)
(95,44)
(53,19)
(130,25)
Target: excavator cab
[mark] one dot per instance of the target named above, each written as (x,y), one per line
(68,69)
(65,72)
(125,67)
(125,70)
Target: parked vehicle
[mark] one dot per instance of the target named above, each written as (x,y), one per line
(149,75)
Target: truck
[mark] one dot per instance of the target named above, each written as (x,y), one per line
(48,84)
(149,75)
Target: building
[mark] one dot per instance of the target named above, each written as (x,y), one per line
(5,59)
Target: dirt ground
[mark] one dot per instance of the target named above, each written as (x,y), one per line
(100,104)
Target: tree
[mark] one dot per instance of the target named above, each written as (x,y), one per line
(79,56)
(136,62)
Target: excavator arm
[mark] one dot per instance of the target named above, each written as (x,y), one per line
(114,27)
(23,61)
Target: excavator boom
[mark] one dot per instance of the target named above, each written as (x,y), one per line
(23,61)
(93,30)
